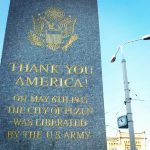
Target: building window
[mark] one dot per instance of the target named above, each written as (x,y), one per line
(114,149)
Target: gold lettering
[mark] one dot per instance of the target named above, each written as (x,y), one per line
(79,99)
(61,122)
(45,109)
(32,134)
(59,99)
(49,134)
(66,82)
(78,111)
(69,69)
(12,134)
(19,67)
(20,81)
(20,98)
(57,135)
(54,82)
(78,83)
(33,68)
(22,122)
(78,70)
(44,68)
(44,82)
(77,135)
(33,82)
(15,67)
(39,98)
(54,69)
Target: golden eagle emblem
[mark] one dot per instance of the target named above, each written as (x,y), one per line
(53,30)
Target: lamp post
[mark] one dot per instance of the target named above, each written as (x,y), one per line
(127,90)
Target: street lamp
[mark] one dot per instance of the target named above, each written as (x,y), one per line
(146,37)
(127,90)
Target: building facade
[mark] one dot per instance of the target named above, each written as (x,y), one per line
(122,141)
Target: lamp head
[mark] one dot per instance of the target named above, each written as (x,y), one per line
(146,37)
(113,59)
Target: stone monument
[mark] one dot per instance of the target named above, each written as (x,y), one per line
(51,92)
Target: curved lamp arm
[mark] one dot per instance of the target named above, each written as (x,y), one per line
(113,59)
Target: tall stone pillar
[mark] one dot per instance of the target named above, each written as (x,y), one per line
(51,92)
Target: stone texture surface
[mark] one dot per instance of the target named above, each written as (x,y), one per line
(83,52)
